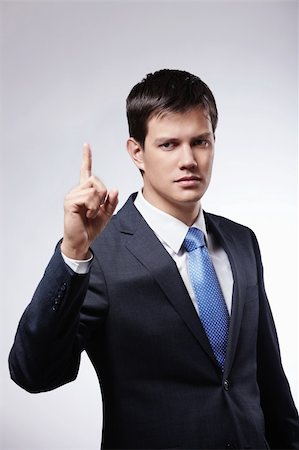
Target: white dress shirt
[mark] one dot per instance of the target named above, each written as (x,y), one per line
(172,232)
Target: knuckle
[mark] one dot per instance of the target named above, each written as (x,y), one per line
(97,182)
(94,179)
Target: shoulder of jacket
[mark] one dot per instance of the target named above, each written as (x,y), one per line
(224,221)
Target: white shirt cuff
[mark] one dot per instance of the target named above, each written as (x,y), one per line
(77,265)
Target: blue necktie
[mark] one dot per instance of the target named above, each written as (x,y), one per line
(211,304)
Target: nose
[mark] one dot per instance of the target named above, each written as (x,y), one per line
(187,159)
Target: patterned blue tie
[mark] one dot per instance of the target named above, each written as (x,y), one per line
(211,304)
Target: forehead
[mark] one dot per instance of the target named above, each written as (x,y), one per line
(192,122)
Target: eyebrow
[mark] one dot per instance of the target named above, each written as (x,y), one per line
(205,135)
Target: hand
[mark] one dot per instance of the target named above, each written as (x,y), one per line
(87,210)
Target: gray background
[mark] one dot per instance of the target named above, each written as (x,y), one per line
(66,69)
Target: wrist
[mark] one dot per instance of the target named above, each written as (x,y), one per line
(76,253)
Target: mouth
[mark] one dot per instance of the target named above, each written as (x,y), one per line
(189,181)
(188,178)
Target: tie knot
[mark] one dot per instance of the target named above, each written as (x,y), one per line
(194,239)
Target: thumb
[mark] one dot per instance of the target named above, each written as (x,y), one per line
(110,203)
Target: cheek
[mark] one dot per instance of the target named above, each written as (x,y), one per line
(204,162)
(155,169)
(163,163)
(208,162)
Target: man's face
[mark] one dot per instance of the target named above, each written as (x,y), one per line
(177,160)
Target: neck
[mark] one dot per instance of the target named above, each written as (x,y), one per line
(186,212)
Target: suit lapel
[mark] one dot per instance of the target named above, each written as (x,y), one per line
(234,253)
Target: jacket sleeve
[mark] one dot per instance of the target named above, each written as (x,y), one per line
(281,416)
(56,326)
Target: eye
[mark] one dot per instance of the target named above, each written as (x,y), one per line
(167,145)
(203,143)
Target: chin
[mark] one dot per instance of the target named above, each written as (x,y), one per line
(191,197)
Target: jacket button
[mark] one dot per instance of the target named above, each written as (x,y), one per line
(226,388)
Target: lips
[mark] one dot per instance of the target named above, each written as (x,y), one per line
(188,178)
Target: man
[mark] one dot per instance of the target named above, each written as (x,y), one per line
(167,300)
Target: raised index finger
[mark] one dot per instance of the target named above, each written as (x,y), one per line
(85,172)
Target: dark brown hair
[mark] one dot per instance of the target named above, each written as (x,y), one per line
(166,91)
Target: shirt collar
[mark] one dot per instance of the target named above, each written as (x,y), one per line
(168,229)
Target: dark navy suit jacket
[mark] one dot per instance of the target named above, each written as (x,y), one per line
(161,385)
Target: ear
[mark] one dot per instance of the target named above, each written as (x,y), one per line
(136,151)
